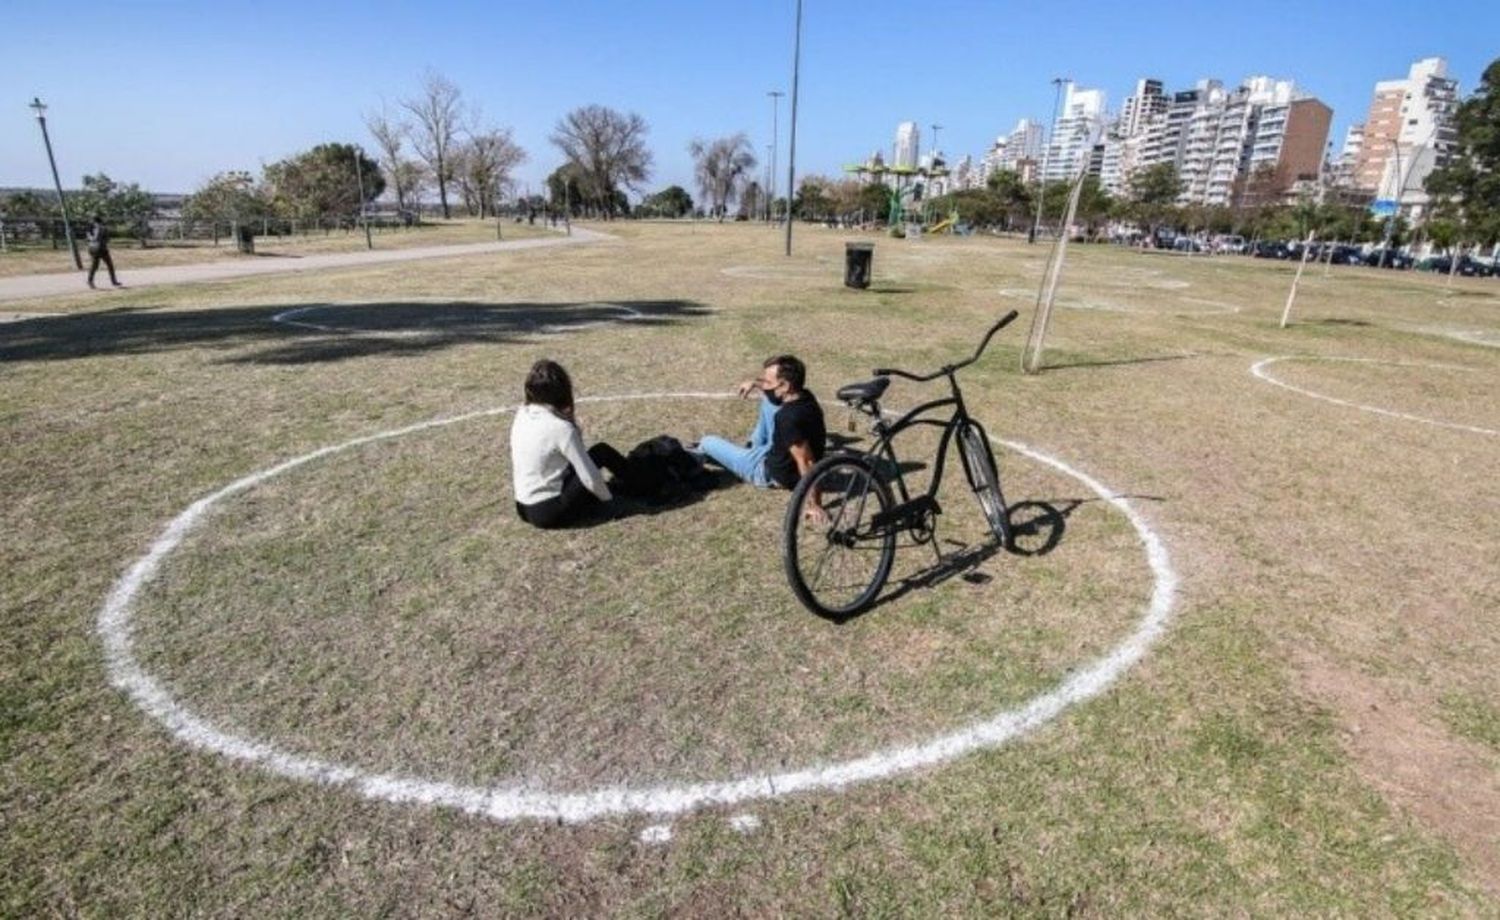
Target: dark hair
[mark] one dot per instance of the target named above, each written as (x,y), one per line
(549,385)
(790,369)
(97,219)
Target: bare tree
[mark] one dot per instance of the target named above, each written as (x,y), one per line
(439,113)
(720,165)
(483,165)
(607,149)
(390,136)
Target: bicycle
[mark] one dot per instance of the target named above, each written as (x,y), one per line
(843,521)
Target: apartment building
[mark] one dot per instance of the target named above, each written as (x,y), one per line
(1410,124)
(907,146)
(1074,133)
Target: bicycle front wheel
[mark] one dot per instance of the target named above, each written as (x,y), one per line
(836,559)
(984,479)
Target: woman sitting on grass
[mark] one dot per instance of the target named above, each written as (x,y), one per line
(557,482)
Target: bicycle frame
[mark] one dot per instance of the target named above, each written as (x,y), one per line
(885,434)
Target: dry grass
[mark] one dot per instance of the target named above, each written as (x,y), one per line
(31,260)
(384,606)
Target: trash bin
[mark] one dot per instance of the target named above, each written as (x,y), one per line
(859,258)
(244,238)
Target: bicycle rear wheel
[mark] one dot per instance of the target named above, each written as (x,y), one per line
(984,479)
(835,559)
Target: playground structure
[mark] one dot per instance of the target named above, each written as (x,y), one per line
(900,190)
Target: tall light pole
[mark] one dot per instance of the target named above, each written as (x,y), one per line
(775,95)
(770,179)
(41,118)
(791,155)
(1057,83)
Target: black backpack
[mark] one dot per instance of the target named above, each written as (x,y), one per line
(661,469)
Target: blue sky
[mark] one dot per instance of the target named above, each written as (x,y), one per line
(167,93)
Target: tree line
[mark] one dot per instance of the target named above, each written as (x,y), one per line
(436,140)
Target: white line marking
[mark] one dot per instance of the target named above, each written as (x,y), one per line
(285,318)
(511,802)
(776,273)
(12,317)
(1259,370)
(657,834)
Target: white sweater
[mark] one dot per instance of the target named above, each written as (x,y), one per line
(542,447)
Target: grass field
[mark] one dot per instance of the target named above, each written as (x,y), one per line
(1315,732)
(31,259)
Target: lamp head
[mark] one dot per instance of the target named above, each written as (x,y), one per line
(38,106)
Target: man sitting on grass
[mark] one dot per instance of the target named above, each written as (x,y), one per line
(789,435)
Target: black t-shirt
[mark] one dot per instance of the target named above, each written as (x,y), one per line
(800,420)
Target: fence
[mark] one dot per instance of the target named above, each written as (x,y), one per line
(47,232)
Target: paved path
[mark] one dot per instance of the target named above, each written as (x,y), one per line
(30,287)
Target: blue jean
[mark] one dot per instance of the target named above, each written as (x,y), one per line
(748,463)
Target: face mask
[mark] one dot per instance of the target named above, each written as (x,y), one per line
(771,395)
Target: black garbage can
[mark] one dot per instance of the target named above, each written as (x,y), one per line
(244,238)
(859,259)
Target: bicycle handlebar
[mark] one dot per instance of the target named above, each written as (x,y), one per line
(1004,321)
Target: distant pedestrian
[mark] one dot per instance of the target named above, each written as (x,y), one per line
(98,240)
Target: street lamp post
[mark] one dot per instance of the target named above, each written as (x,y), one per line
(41,118)
(1057,84)
(775,95)
(1390,221)
(791,154)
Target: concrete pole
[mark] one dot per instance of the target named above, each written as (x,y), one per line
(1291,296)
(775,95)
(1041,195)
(41,119)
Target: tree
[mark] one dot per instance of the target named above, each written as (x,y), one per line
(752,198)
(1153,195)
(719,165)
(1011,195)
(228,196)
(438,111)
(812,201)
(117,204)
(564,189)
(482,167)
(1467,188)
(323,182)
(672,201)
(405,174)
(608,150)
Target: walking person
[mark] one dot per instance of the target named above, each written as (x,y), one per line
(556,481)
(98,242)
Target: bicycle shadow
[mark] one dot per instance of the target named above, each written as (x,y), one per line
(1037,527)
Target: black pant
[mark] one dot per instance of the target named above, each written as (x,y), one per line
(575,501)
(101,256)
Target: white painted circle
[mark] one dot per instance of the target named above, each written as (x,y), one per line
(503,803)
(1258,369)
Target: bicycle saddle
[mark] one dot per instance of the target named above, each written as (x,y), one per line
(869,391)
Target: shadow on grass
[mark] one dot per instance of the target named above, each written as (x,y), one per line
(1037,527)
(624,506)
(351,330)
(1119,362)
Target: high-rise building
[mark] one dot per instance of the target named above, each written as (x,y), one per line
(908,145)
(1078,127)
(1147,102)
(1023,143)
(1410,121)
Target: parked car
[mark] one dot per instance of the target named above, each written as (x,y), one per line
(1231,245)
(1393,258)
(1468,266)
(1186,244)
(1271,249)
(1344,254)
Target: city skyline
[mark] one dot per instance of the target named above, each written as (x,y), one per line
(212,97)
